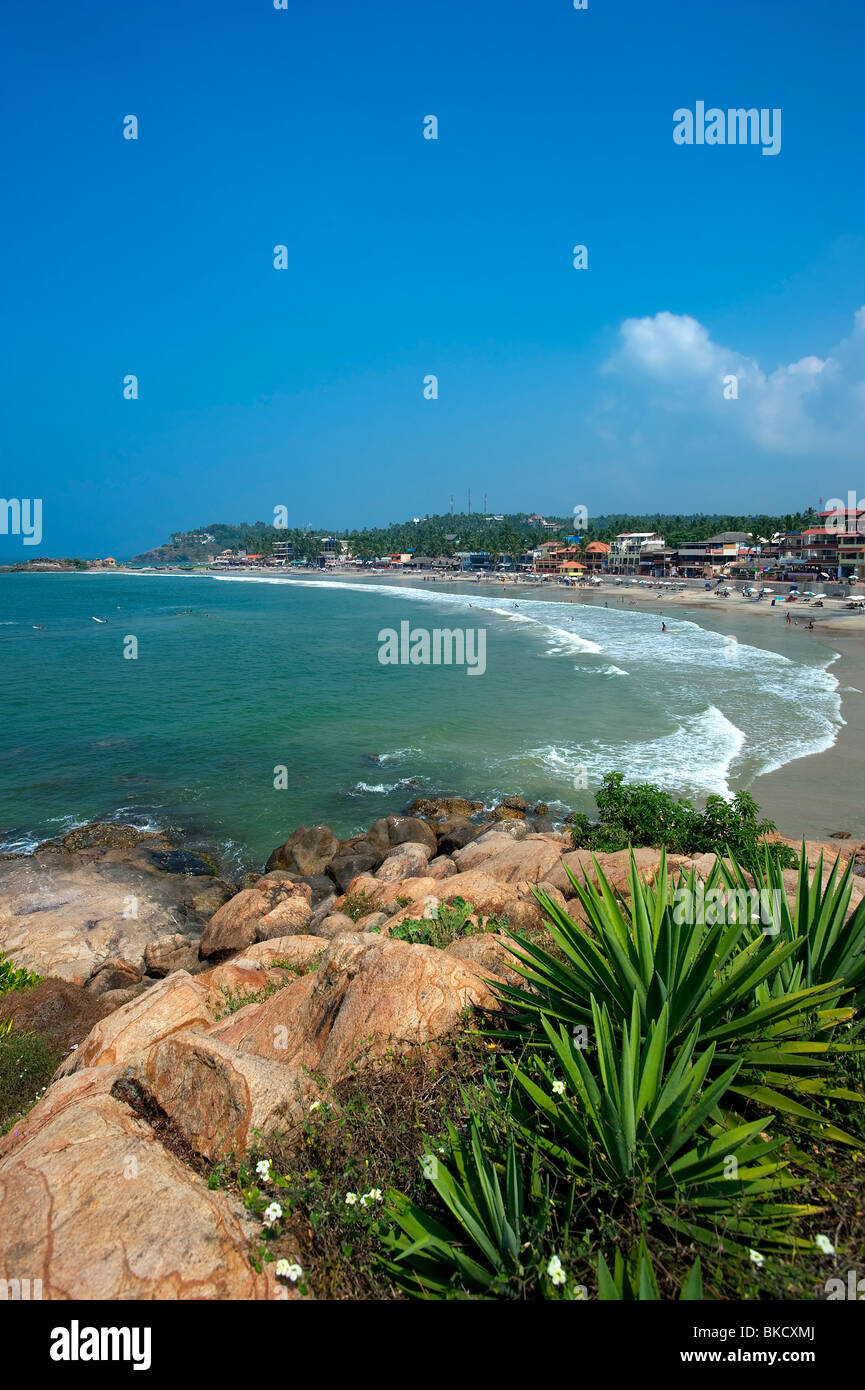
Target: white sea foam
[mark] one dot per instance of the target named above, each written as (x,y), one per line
(696,757)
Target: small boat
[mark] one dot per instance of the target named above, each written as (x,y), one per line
(100,620)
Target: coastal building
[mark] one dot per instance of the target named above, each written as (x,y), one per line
(834,549)
(636,552)
(283,552)
(595,556)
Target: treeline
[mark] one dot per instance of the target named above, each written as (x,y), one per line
(444,535)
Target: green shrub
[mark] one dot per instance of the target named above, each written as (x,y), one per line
(14,977)
(450,922)
(643,814)
(27,1063)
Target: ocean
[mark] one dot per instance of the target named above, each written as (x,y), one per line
(255,704)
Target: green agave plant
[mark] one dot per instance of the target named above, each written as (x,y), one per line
(744,986)
(634,1280)
(650,1127)
(834,942)
(491,1247)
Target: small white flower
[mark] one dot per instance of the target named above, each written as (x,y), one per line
(263,1169)
(558,1088)
(272,1214)
(824,1243)
(316,1104)
(756,1258)
(374,1195)
(284,1270)
(281,1269)
(350,1198)
(555,1271)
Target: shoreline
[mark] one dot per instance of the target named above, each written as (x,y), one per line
(800,797)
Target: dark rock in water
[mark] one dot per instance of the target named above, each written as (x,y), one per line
(182,861)
(540,808)
(371,758)
(503,812)
(439,806)
(515,803)
(542,825)
(456,833)
(378,836)
(98,835)
(840,835)
(308,850)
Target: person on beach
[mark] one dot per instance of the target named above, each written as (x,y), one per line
(788,618)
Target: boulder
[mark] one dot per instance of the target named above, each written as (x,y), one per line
(405,861)
(234,925)
(173,1004)
(441,867)
(514,803)
(294,952)
(344,867)
(439,806)
(65,914)
(378,836)
(615,868)
(507,860)
(455,833)
(274,907)
(335,925)
(491,952)
(369,996)
(95,1207)
(309,850)
(410,830)
(507,813)
(168,953)
(291,915)
(114,973)
(217,1099)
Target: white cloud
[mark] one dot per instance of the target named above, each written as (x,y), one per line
(811,406)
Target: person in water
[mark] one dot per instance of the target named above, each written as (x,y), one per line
(663,627)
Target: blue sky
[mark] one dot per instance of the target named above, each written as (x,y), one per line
(304,387)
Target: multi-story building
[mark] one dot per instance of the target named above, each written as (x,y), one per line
(635,552)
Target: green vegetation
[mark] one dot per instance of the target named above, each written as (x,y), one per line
(445,535)
(14,977)
(448,923)
(668,1082)
(642,814)
(27,1063)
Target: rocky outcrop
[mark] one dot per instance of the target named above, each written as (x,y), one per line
(369,996)
(102,893)
(275,907)
(172,1004)
(96,1207)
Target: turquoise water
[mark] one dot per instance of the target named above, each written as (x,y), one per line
(238,677)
